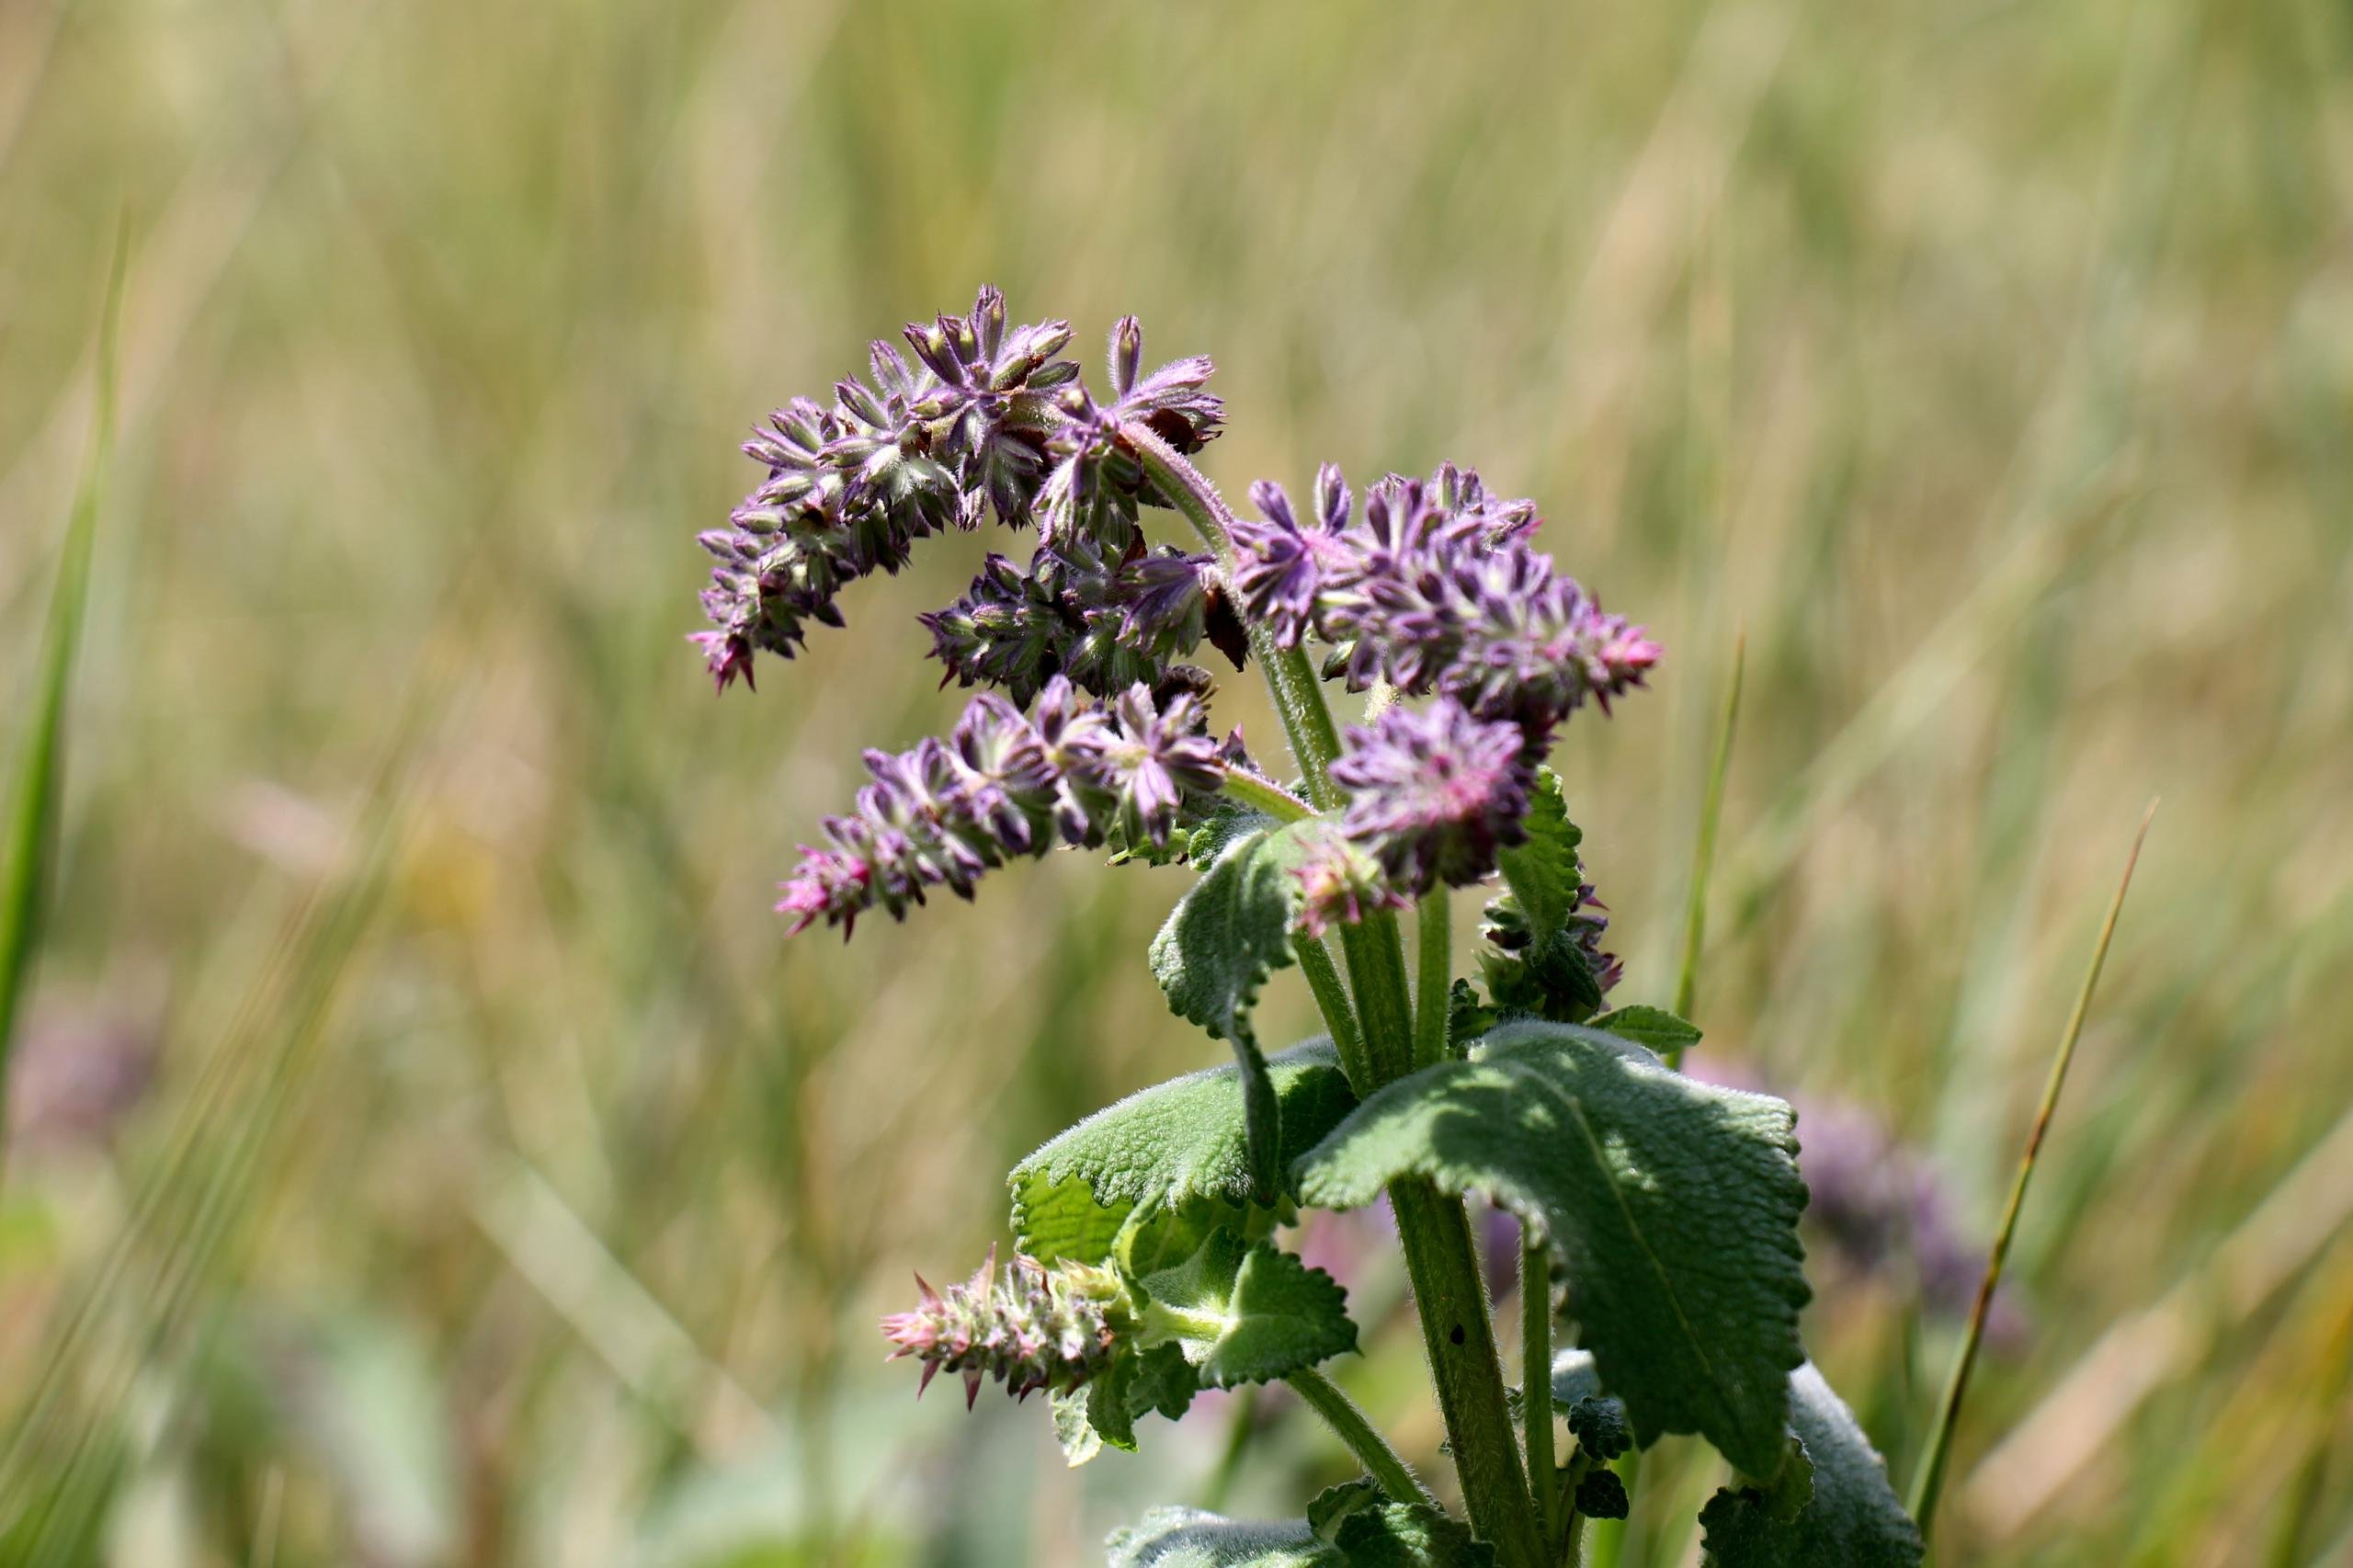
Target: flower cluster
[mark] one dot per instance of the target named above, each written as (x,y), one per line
(985,419)
(1437,590)
(1435,792)
(1035,1328)
(1006,785)
(1106,624)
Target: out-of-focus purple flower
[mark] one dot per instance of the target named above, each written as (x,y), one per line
(1035,1328)
(1437,590)
(1004,786)
(1883,1209)
(1340,883)
(1435,793)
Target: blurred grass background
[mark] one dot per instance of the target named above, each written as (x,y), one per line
(426,1152)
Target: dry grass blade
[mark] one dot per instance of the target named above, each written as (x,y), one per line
(36,799)
(1929,1479)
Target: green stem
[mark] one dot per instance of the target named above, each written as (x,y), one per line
(1363,1439)
(1299,697)
(1457,1332)
(1339,1015)
(1264,795)
(1433,956)
(1376,956)
(1536,1379)
(1448,1292)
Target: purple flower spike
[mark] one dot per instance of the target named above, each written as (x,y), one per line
(1152,761)
(1436,793)
(1035,1328)
(1436,590)
(851,487)
(1002,786)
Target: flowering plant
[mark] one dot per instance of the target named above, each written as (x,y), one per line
(1661,1273)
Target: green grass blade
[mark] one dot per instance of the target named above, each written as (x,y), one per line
(1929,1482)
(1703,851)
(36,797)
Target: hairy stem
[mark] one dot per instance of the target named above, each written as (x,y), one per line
(1456,1328)
(1536,1379)
(1434,976)
(1448,1291)
(1363,1439)
(1264,795)
(1339,1014)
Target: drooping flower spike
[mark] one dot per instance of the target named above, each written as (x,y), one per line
(1004,786)
(984,420)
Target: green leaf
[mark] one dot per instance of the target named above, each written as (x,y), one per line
(1074,1429)
(1373,1531)
(1135,1385)
(1654,1028)
(1349,1526)
(1670,1207)
(1187,1538)
(1246,1314)
(1175,1153)
(1542,870)
(1225,938)
(1849,1516)
(1831,1503)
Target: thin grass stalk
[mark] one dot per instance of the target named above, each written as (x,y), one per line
(1703,849)
(37,797)
(1929,1481)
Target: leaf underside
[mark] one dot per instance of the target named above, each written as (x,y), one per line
(1670,1207)
(1851,1517)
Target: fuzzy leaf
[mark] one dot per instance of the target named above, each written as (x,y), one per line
(1135,1385)
(1542,870)
(1851,1515)
(1245,1314)
(1178,1152)
(1654,1028)
(1225,938)
(1187,1538)
(1372,1531)
(1671,1207)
